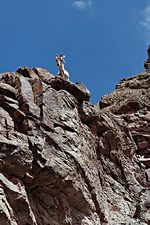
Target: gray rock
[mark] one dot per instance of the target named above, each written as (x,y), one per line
(78,90)
(64,161)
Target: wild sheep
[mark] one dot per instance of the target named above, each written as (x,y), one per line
(60,63)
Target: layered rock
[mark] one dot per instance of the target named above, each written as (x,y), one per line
(64,161)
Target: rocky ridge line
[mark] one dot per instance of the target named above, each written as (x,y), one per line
(64,161)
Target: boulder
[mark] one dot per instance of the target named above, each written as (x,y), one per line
(78,90)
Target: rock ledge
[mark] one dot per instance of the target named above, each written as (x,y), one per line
(64,161)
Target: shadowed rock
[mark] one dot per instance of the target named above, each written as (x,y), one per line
(78,90)
(64,161)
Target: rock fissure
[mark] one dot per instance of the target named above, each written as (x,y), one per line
(65,161)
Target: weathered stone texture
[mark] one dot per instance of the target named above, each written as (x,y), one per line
(64,161)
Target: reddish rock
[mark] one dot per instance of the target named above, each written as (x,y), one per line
(26,72)
(64,161)
(44,75)
(78,90)
(7,90)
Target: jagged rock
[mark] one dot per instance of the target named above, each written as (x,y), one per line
(7,90)
(145,161)
(16,205)
(43,74)
(26,72)
(78,90)
(147,62)
(131,95)
(64,161)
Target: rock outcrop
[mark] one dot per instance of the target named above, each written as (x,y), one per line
(64,161)
(147,62)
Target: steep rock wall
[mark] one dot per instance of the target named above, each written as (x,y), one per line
(64,161)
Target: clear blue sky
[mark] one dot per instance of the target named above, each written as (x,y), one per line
(104,41)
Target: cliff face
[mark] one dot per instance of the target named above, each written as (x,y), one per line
(64,161)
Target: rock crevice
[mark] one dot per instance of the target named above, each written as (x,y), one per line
(64,161)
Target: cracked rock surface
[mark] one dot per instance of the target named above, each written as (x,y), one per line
(64,161)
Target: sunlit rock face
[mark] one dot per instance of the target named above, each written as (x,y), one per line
(64,161)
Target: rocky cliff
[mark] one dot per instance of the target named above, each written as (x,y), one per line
(64,161)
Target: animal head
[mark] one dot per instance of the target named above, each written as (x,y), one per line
(60,59)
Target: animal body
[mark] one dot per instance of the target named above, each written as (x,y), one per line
(60,63)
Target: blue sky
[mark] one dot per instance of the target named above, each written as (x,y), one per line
(104,41)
